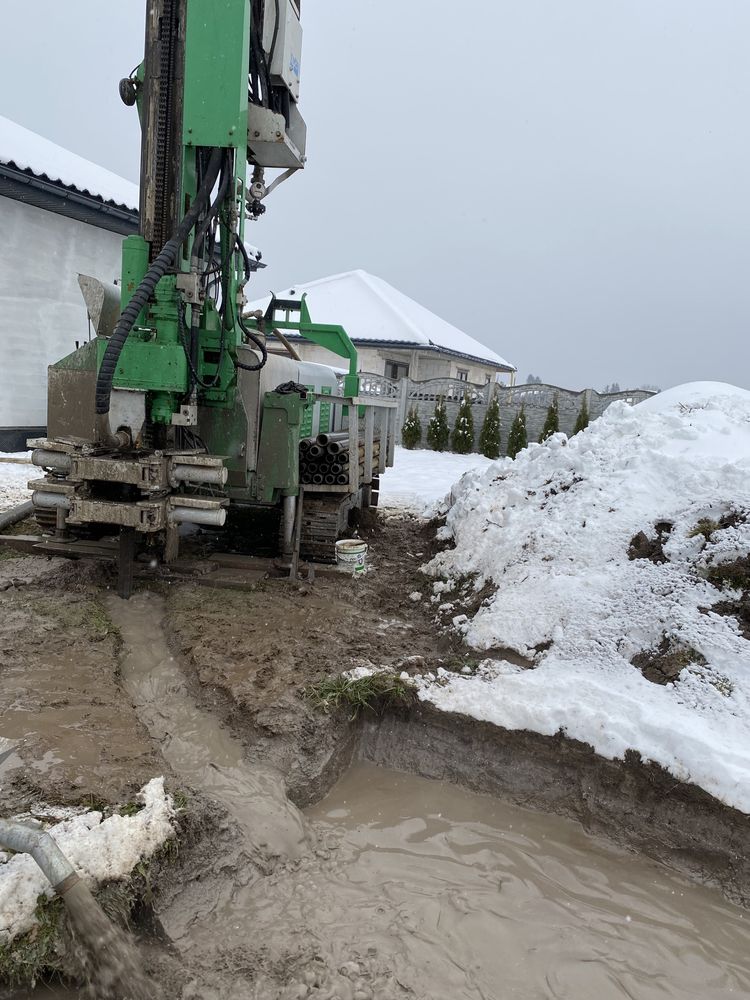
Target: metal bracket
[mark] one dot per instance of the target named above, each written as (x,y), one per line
(187,416)
(189,283)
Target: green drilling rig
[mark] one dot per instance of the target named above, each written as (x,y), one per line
(184,409)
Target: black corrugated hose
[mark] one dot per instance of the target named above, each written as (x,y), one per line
(143,293)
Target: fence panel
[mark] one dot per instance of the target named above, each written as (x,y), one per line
(535,400)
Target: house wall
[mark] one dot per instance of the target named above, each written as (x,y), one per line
(422,364)
(42,313)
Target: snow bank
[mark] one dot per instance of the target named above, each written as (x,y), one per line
(550,533)
(100,850)
(420,479)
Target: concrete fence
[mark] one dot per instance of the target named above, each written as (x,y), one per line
(535,399)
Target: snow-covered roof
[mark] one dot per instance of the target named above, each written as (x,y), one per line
(25,150)
(371,310)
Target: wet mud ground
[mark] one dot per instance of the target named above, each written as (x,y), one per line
(244,660)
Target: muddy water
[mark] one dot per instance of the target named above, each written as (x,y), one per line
(453,895)
(411,888)
(106,953)
(194,743)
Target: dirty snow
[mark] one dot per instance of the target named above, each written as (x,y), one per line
(421,478)
(550,533)
(14,475)
(100,850)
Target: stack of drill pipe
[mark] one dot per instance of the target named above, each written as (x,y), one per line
(326,460)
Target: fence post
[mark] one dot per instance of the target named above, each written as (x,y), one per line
(402,406)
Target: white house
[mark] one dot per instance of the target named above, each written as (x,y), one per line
(60,215)
(394,335)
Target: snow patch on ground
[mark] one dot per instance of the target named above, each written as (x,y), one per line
(14,476)
(99,849)
(421,479)
(549,534)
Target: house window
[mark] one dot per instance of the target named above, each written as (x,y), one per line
(487,379)
(462,374)
(396,370)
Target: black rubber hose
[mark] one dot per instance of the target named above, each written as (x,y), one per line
(251,335)
(146,288)
(200,234)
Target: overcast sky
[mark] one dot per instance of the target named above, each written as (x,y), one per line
(566,180)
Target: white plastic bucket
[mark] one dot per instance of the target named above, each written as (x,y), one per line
(351,555)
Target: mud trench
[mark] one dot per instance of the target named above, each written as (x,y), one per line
(411,854)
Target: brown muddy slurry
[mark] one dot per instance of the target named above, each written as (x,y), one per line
(432,891)
(193,742)
(106,954)
(395,886)
(387,885)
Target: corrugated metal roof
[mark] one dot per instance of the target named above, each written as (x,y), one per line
(371,310)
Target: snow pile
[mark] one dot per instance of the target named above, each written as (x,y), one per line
(14,476)
(420,479)
(100,850)
(550,534)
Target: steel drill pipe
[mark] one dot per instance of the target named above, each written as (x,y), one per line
(317,479)
(316,451)
(325,439)
(337,448)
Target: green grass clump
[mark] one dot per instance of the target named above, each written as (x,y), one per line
(705,527)
(180,799)
(374,693)
(86,616)
(131,808)
(36,954)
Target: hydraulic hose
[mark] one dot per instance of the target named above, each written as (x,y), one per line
(140,299)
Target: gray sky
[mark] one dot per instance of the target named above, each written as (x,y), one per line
(566,180)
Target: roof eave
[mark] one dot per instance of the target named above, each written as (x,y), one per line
(416,346)
(54,196)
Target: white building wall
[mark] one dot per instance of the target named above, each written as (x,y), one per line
(423,365)
(42,314)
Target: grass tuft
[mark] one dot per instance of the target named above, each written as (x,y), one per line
(86,616)
(705,527)
(131,808)
(180,799)
(37,953)
(374,693)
